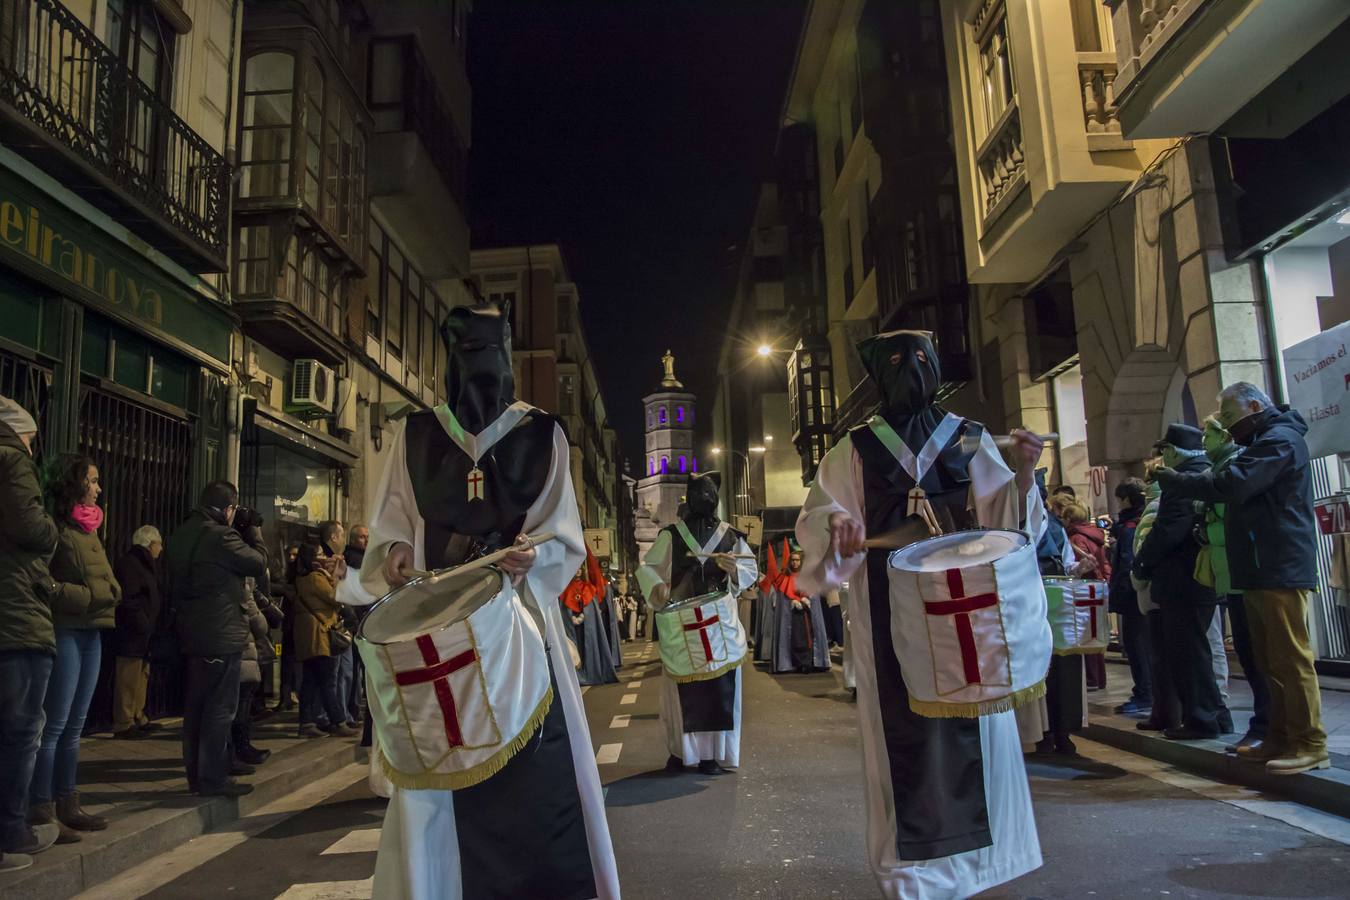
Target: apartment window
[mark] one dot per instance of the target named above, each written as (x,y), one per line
(317,290)
(313,116)
(564,315)
(142,41)
(865,216)
(253,267)
(996,74)
(846,252)
(412,320)
(430,304)
(374,271)
(1087,27)
(265,154)
(441,351)
(394,300)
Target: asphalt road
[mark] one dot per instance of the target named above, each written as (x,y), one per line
(789,823)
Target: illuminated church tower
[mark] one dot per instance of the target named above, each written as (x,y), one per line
(669,458)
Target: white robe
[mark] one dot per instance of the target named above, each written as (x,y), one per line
(692,748)
(1015,849)
(419,850)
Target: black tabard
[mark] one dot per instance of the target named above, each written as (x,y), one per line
(521,832)
(704,705)
(936,766)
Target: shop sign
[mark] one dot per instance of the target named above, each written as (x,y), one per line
(1333,514)
(1317,373)
(44,239)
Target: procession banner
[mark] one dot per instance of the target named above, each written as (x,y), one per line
(1317,373)
(598,539)
(753,527)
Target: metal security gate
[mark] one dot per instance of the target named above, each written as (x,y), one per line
(30,385)
(144,457)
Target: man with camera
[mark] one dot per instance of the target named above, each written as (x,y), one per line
(209,556)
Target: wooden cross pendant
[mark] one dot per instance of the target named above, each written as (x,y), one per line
(475,484)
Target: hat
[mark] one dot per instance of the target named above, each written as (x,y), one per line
(1182,437)
(16,417)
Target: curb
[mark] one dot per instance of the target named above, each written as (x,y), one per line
(1327,790)
(64,871)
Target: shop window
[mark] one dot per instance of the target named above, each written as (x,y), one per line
(265,141)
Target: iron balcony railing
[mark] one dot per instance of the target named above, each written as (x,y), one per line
(57,74)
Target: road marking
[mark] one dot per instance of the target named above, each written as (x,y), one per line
(331,890)
(607,754)
(619,721)
(158,871)
(1315,821)
(628,699)
(363,840)
(633,685)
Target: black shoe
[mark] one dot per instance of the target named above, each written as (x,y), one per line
(1250,739)
(674,764)
(710,767)
(239,767)
(252,755)
(1187,733)
(129,734)
(227,789)
(1064,746)
(1149,725)
(149,727)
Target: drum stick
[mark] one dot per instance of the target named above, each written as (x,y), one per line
(493,558)
(732,555)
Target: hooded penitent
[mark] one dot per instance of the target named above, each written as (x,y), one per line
(479,383)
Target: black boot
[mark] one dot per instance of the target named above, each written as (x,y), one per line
(674,764)
(710,767)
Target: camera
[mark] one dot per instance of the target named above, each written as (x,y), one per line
(246,518)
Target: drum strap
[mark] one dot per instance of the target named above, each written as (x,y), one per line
(476,445)
(706,550)
(917,467)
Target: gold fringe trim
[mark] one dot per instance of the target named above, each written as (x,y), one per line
(706,676)
(456,781)
(940,710)
(1080,651)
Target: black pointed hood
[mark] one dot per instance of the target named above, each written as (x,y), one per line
(904,367)
(479,383)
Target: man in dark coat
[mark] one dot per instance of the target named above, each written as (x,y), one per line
(136,617)
(209,556)
(1270,535)
(27,636)
(1167,559)
(1125,601)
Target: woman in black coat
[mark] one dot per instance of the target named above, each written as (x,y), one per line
(136,617)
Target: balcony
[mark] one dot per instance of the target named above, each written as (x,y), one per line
(1002,161)
(68,103)
(420,185)
(1186,66)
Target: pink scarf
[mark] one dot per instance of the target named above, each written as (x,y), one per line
(88,516)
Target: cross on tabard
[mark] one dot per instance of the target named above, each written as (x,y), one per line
(1092,603)
(475,483)
(959,608)
(438,672)
(701,625)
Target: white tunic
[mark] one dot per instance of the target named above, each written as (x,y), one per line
(1015,849)
(692,748)
(419,850)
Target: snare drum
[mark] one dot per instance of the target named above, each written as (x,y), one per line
(459,678)
(701,637)
(1077,611)
(968,619)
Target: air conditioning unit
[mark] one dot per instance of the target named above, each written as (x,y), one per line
(312,385)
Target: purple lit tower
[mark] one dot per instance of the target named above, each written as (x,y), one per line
(669,458)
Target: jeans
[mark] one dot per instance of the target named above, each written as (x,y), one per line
(210,698)
(1219,654)
(1256,679)
(345,672)
(79,651)
(1134,637)
(1277,619)
(319,690)
(23,686)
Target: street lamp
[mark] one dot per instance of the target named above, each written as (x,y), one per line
(764,350)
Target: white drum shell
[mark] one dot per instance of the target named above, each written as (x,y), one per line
(1010,635)
(499,695)
(1071,618)
(683,654)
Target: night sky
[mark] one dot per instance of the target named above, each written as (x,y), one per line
(633,133)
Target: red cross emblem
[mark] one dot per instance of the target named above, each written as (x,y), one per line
(1092,603)
(438,672)
(475,483)
(960,607)
(701,625)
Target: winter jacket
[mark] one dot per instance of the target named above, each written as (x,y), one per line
(208,562)
(27,540)
(1088,539)
(1050,548)
(1122,590)
(1167,556)
(1211,566)
(316,611)
(1269,527)
(256,623)
(87,592)
(139,610)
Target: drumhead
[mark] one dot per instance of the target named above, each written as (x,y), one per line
(429,604)
(688,602)
(958,551)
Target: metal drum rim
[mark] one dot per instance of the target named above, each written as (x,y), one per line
(698,600)
(430,578)
(910,548)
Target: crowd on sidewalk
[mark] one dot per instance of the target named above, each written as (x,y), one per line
(204,601)
(1222,526)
